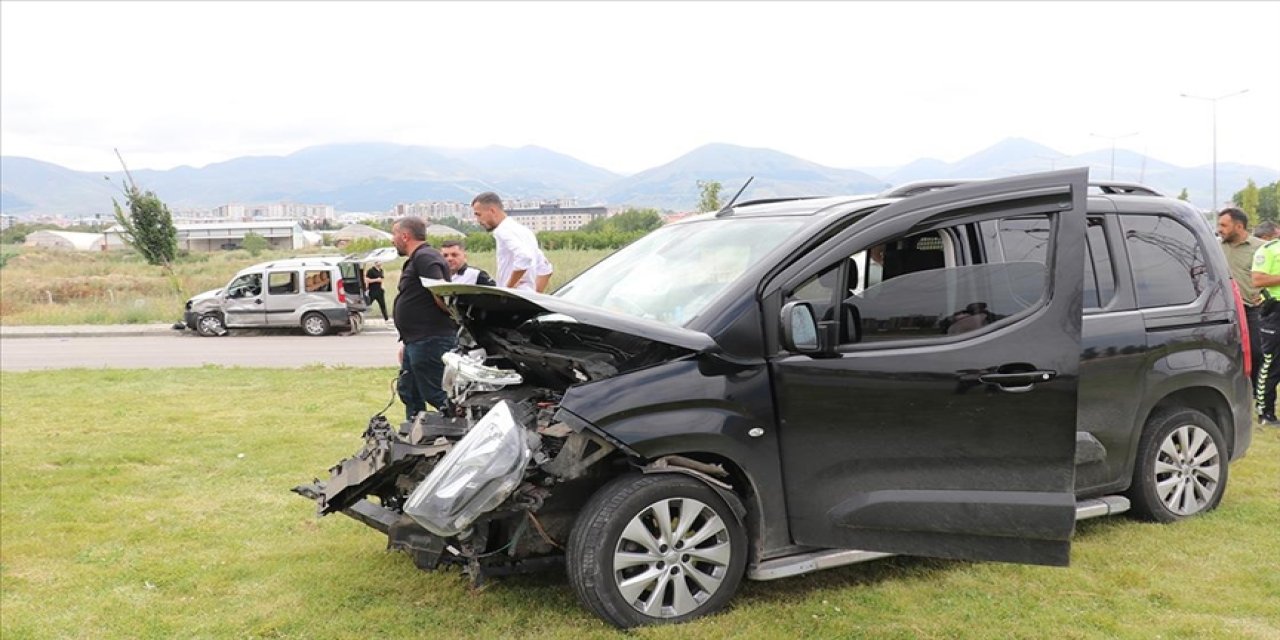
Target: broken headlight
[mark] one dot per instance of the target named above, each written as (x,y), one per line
(464,374)
(473,478)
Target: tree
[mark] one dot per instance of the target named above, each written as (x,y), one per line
(148,227)
(709,200)
(644,220)
(1247,199)
(1269,202)
(1184,196)
(254,243)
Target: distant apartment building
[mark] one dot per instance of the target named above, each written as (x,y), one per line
(432,210)
(7,221)
(274,211)
(553,217)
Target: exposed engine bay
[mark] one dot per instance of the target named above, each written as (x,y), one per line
(493,485)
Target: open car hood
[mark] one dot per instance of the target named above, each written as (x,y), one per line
(481,308)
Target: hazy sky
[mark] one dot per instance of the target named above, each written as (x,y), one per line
(629,86)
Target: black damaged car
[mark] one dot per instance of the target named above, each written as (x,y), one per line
(948,370)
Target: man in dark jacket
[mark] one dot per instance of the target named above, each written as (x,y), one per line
(426,330)
(459,271)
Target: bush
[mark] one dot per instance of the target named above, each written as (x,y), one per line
(254,243)
(364,245)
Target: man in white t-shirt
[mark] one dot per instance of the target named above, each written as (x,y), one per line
(521,264)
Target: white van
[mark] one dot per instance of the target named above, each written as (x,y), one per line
(318,294)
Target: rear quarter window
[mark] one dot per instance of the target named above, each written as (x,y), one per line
(1168,262)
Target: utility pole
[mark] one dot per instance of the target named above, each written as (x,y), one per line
(1113,148)
(1214,101)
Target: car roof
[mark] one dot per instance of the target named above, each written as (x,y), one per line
(1137,196)
(288,263)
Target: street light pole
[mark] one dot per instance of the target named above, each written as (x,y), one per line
(1214,101)
(1113,148)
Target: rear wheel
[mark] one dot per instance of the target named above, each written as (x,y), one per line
(1181,468)
(656,549)
(315,324)
(211,324)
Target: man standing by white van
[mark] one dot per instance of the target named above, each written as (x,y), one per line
(426,330)
(521,264)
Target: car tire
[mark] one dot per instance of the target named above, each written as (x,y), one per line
(682,565)
(210,325)
(1181,469)
(315,324)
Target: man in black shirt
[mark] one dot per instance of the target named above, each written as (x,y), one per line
(426,330)
(373,279)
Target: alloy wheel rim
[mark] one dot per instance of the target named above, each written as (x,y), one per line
(672,557)
(1187,470)
(314,325)
(210,324)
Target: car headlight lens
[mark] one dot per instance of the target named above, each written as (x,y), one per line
(474,477)
(468,373)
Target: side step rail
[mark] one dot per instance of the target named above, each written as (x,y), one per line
(811,561)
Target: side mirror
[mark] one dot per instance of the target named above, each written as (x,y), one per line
(799,328)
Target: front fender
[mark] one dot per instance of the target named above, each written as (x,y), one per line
(697,405)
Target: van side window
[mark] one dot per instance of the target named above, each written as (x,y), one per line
(1099,275)
(1168,264)
(317,281)
(952,299)
(925,293)
(282,282)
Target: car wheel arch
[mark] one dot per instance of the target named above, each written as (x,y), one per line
(1205,399)
(735,487)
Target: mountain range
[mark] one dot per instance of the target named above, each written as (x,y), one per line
(376,176)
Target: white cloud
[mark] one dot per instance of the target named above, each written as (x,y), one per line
(630,85)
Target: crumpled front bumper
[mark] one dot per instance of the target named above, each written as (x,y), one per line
(388,457)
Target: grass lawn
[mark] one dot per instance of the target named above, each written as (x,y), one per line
(156,504)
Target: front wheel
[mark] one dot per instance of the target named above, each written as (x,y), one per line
(1181,468)
(656,549)
(315,324)
(211,324)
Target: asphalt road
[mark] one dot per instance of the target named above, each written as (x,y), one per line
(371,349)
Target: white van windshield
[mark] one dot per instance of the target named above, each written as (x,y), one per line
(671,274)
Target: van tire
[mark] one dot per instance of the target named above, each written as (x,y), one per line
(210,325)
(599,536)
(315,324)
(1181,469)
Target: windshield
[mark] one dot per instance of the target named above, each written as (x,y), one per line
(671,274)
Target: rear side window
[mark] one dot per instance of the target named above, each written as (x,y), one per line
(318,281)
(1168,263)
(282,282)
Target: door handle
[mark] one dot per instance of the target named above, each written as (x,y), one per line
(1019,382)
(257,301)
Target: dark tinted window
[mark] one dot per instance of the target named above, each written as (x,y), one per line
(1099,277)
(1025,239)
(948,301)
(1168,263)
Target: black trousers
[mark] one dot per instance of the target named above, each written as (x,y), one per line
(1253,320)
(1264,392)
(379,297)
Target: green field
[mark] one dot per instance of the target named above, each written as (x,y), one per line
(47,287)
(156,504)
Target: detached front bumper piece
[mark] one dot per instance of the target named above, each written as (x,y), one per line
(389,464)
